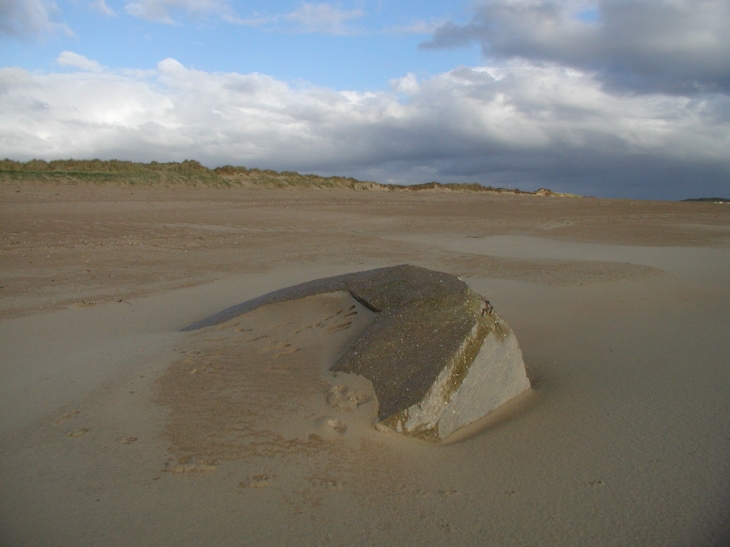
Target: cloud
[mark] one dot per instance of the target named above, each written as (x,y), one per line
(408,84)
(518,124)
(159,11)
(71,59)
(309,17)
(100,6)
(29,19)
(324,18)
(416,27)
(672,46)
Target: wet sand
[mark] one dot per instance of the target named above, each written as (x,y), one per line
(118,429)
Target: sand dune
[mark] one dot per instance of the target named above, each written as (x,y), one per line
(118,429)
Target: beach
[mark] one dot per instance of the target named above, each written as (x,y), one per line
(118,429)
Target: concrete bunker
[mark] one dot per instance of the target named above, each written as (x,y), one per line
(437,354)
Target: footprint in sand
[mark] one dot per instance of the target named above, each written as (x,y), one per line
(342,398)
(257,481)
(337,425)
(68,416)
(129,440)
(325,321)
(337,327)
(329,329)
(204,369)
(286,352)
(79,432)
(332,484)
(330,427)
(333,316)
(275,345)
(188,464)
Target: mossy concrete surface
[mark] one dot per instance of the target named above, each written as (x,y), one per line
(437,355)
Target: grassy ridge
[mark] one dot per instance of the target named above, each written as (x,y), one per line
(100,166)
(192,173)
(186,173)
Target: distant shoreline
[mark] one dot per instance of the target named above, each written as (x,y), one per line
(193,173)
(713,200)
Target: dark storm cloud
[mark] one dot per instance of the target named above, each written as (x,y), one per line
(671,46)
(660,76)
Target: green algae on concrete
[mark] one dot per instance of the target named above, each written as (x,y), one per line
(436,354)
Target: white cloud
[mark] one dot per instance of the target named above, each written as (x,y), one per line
(416,27)
(517,124)
(160,10)
(309,17)
(29,18)
(408,84)
(71,59)
(325,18)
(101,7)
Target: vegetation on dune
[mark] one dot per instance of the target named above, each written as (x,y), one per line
(100,166)
(186,173)
(283,179)
(472,187)
(193,173)
(106,172)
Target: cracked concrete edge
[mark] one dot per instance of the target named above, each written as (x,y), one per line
(471,386)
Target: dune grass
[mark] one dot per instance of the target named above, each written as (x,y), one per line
(193,173)
(186,173)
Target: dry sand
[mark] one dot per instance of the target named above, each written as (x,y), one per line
(116,429)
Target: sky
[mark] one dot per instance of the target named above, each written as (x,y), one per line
(609,98)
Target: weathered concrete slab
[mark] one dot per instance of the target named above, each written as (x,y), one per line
(437,355)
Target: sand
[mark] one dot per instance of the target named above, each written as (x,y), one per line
(118,429)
